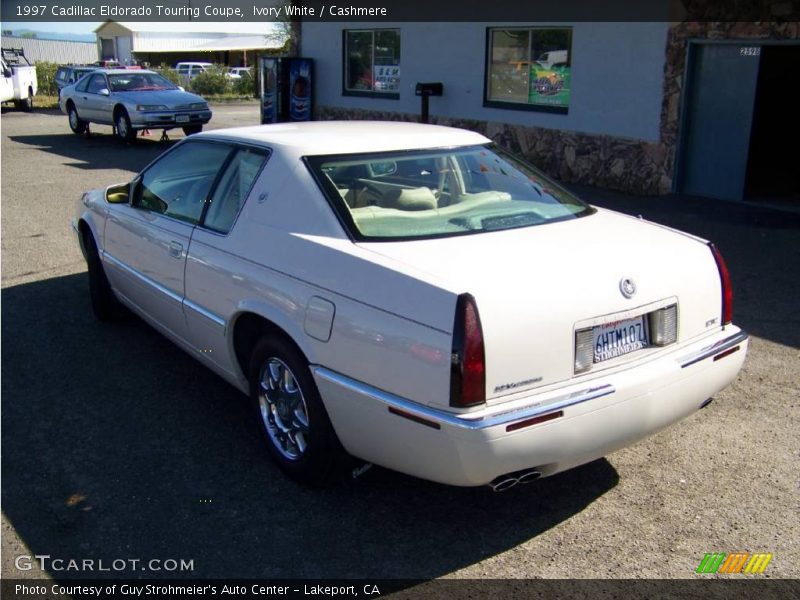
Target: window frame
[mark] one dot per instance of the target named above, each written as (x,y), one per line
(505,104)
(233,148)
(366,93)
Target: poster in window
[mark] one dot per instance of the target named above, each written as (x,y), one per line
(550,74)
(386,78)
(530,67)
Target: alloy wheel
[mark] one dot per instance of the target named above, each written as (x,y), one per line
(283,409)
(122,126)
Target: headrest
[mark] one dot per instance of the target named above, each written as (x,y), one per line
(420,198)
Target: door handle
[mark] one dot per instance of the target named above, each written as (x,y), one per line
(175,249)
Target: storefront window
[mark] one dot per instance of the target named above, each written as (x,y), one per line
(529,68)
(372,63)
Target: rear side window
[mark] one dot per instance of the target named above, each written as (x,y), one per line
(233,188)
(178,184)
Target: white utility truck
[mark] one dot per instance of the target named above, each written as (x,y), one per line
(19,82)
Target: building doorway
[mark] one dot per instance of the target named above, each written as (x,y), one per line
(773,170)
(740,121)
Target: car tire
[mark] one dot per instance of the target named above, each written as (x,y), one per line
(77,124)
(192,129)
(292,418)
(123,127)
(105,305)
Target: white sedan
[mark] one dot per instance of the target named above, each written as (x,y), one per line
(413,296)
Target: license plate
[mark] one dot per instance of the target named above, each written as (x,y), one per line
(182,119)
(621,337)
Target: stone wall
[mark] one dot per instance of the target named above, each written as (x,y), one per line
(629,165)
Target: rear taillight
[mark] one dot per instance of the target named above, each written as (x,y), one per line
(725,280)
(468,360)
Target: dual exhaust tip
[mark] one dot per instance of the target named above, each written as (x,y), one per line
(509,480)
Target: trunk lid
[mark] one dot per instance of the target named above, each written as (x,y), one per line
(534,286)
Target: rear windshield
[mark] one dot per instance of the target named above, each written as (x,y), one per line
(435,193)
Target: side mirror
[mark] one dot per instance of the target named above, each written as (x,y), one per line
(180,87)
(104,92)
(118,194)
(7,73)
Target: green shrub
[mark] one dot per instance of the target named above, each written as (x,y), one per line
(211,81)
(245,86)
(169,73)
(46,77)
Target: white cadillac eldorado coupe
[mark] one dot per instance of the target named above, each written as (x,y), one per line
(412,296)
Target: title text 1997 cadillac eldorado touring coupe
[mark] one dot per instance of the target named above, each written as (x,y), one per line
(413,296)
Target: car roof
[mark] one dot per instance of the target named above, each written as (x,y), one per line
(127,71)
(349,137)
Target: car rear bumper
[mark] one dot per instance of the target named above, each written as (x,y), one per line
(159,119)
(550,432)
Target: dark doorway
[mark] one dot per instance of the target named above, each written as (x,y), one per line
(720,94)
(773,170)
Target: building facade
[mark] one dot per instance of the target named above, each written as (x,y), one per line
(156,43)
(628,106)
(63,52)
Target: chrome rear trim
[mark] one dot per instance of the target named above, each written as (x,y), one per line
(715,348)
(464,421)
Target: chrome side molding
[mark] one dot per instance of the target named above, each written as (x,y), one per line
(216,319)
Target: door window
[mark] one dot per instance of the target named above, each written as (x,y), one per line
(96,83)
(233,188)
(178,184)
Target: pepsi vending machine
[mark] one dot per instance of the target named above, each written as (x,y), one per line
(286,89)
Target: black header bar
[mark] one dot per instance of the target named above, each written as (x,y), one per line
(387,11)
(745,586)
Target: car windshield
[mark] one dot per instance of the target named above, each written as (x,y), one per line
(139,82)
(422,194)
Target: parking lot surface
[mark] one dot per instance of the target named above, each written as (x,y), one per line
(117,445)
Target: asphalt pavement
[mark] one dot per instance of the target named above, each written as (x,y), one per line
(117,445)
